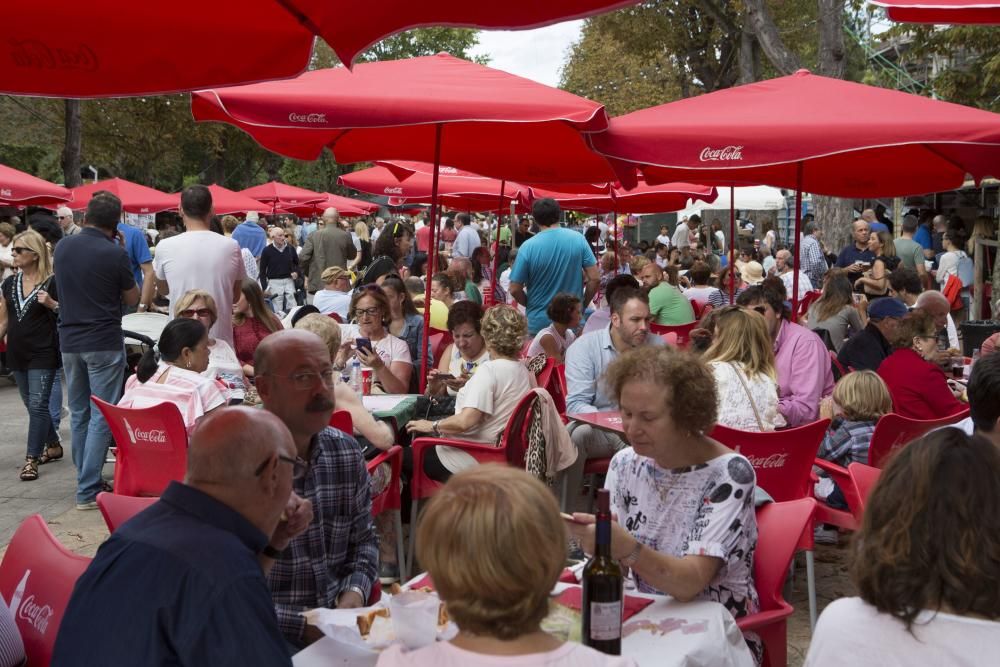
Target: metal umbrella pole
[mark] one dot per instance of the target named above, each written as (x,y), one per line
(432,252)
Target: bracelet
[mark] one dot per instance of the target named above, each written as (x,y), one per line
(435,430)
(271,552)
(632,557)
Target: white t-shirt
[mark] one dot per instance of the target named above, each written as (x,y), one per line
(494,389)
(389,349)
(446,654)
(852,632)
(720,240)
(699,294)
(561,343)
(202,260)
(681,236)
(331,301)
(664,239)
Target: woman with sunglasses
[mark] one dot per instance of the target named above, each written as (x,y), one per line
(171,372)
(223,364)
(918,386)
(387,356)
(28,319)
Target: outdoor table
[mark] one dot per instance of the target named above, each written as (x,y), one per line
(610,421)
(667,633)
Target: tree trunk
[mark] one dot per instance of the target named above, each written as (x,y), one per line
(834,216)
(759,18)
(832,55)
(749,57)
(73,146)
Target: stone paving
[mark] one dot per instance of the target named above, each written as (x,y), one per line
(53,496)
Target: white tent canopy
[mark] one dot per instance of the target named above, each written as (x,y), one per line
(752,198)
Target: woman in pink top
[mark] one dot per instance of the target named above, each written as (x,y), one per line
(171,373)
(496,595)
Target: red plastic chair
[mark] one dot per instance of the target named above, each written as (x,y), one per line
(698,307)
(335,317)
(421,486)
(863,480)
(783,463)
(390,498)
(341,419)
(893,431)
(439,342)
(807,300)
(48,571)
(524,348)
(152,447)
(780,527)
(552,378)
(845,520)
(116,510)
(683,331)
(838,369)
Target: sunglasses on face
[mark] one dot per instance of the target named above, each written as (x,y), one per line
(17,250)
(191,312)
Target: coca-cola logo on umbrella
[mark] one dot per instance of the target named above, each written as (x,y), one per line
(394,191)
(724,154)
(5,192)
(35,54)
(307,117)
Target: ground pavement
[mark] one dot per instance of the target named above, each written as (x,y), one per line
(53,496)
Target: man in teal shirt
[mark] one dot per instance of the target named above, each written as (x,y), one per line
(553,261)
(667,304)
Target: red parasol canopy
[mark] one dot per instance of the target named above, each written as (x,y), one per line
(281,195)
(492,123)
(848,139)
(643,198)
(135,198)
(346,206)
(976,12)
(20,189)
(418,185)
(225,201)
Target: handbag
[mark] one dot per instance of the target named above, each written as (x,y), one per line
(756,413)
(953,292)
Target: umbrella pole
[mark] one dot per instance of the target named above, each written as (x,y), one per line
(496,246)
(430,266)
(795,241)
(732,244)
(614,236)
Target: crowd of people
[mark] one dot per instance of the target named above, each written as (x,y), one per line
(279,501)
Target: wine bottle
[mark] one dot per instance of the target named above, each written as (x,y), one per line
(602,588)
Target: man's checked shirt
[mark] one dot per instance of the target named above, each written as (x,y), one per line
(847,442)
(812,261)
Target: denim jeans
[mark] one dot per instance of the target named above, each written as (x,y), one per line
(89,374)
(56,403)
(35,385)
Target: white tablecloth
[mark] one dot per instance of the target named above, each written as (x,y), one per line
(667,633)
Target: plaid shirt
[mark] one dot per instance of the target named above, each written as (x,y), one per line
(847,442)
(812,261)
(340,548)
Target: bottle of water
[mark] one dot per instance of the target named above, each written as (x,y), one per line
(355,377)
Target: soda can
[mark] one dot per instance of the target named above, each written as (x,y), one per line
(366,382)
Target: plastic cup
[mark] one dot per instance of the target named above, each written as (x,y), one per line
(414,618)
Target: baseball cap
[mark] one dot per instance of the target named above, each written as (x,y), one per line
(887,307)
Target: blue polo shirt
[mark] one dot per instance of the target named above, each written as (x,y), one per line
(137,249)
(851,254)
(250,236)
(178,584)
(923,237)
(92,271)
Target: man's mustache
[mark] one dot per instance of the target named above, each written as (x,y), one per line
(319,403)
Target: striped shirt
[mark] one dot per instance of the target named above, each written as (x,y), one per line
(192,393)
(339,549)
(847,442)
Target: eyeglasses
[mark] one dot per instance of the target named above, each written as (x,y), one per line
(17,250)
(63,217)
(304,380)
(367,312)
(299,466)
(191,312)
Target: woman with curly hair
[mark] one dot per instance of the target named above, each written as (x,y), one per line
(926,563)
(484,405)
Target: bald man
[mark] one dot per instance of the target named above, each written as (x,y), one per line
(182,583)
(327,246)
(335,561)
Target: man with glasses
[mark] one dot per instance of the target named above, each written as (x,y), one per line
(65,217)
(335,561)
(183,583)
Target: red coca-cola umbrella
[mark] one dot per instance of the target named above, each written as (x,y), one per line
(107,48)
(811,133)
(135,198)
(945,12)
(282,195)
(20,189)
(643,198)
(225,201)
(346,206)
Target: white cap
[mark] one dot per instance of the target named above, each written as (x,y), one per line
(252,216)
(64,211)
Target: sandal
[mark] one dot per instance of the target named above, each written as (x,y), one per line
(29,472)
(52,453)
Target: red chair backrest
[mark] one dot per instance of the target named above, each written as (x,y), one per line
(515,434)
(335,317)
(893,432)
(341,419)
(779,529)
(807,300)
(116,510)
(782,460)
(698,307)
(526,347)
(389,499)
(48,572)
(863,479)
(683,331)
(152,447)
(439,341)
(838,369)
(544,376)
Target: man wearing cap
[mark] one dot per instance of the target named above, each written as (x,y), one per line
(336,296)
(866,349)
(249,235)
(327,246)
(667,304)
(65,217)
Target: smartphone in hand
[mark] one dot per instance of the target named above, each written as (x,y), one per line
(363,344)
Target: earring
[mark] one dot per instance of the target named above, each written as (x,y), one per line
(189,365)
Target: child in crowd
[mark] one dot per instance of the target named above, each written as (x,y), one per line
(859,400)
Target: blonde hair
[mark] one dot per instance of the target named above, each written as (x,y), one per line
(504,329)
(34,241)
(862,396)
(741,336)
(229,223)
(324,327)
(638,263)
(464,540)
(985,228)
(193,295)
(361,229)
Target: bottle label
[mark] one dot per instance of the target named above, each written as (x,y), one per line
(605,620)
